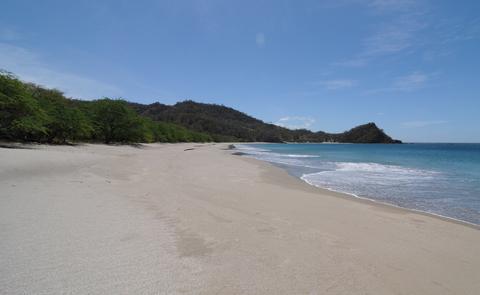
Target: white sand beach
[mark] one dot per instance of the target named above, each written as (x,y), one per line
(195,219)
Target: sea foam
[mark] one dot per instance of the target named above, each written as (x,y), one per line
(435,178)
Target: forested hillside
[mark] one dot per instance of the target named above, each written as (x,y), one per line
(29,112)
(226,124)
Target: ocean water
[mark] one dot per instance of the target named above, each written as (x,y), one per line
(442,179)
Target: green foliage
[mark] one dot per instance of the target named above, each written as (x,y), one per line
(32,113)
(29,112)
(21,117)
(64,122)
(114,121)
(226,124)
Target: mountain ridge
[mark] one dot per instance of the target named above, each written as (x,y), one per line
(30,112)
(227,124)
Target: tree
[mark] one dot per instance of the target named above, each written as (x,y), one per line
(115,121)
(21,118)
(29,112)
(65,122)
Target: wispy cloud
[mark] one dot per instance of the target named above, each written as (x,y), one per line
(354,62)
(420,124)
(394,36)
(9,34)
(407,83)
(295,122)
(30,67)
(337,84)
(390,5)
(450,31)
(260,40)
(410,82)
(379,5)
(445,35)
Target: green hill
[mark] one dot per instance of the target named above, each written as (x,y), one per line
(226,124)
(29,112)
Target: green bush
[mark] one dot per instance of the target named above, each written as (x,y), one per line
(29,112)
(21,117)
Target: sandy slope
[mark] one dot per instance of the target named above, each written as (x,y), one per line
(122,220)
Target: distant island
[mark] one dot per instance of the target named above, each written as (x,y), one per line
(31,113)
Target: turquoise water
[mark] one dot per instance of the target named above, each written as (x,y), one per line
(442,179)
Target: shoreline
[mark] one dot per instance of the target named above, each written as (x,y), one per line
(365,200)
(193,219)
(236,152)
(355,197)
(417,211)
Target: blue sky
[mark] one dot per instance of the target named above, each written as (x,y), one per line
(412,67)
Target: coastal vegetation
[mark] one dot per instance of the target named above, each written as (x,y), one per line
(32,113)
(227,124)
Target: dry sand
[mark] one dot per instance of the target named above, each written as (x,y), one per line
(101,219)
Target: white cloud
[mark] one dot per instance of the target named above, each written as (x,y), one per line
(29,67)
(450,30)
(260,40)
(384,5)
(354,62)
(410,82)
(407,83)
(8,34)
(420,124)
(338,84)
(388,40)
(396,35)
(374,5)
(295,122)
